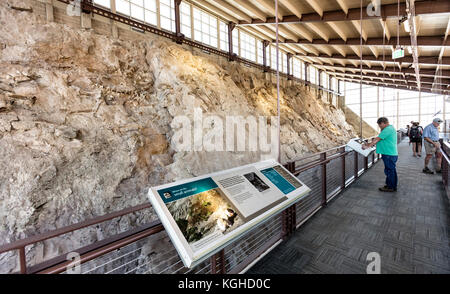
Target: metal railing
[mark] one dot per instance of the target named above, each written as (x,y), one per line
(327,173)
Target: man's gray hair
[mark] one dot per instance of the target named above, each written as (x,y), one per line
(382,120)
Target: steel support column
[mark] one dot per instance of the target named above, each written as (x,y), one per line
(323,158)
(231,26)
(289,56)
(265,44)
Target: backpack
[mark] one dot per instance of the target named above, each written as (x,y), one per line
(414,133)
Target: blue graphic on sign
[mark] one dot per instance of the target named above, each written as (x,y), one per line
(278,180)
(185,190)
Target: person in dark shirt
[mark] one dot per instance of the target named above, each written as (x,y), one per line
(415,137)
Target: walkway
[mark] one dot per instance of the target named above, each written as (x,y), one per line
(409,229)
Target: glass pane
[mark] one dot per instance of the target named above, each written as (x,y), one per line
(150,17)
(104,3)
(123,6)
(150,5)
(137,12)
(138,2)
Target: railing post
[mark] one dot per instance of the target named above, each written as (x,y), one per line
(323,157)
(288,221)
(356,164)
(292,167)
(221,256)
(23,260)
(214,264)
(222,261)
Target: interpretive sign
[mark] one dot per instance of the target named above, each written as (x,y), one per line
(204,214)
(356,144)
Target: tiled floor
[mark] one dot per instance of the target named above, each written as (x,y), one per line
(409,228)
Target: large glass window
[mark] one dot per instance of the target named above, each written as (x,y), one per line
(291,65)
(313,75)
(138,9)
(205,28)
(273,58)
(370,96)
(260,52)
(248,46)
(236,41)
(296,68)
(167,14)
(185,16)
(283,61)
(223,36)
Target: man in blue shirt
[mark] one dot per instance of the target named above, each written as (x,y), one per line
(432,145)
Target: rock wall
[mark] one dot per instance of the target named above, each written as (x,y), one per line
(86,123)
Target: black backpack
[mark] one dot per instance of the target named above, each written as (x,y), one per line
(414,133)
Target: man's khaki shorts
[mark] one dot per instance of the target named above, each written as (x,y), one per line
(431,149)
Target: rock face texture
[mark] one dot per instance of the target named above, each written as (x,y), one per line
(86,123)
(353,119)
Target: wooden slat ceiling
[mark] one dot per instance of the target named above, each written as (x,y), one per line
(326,34)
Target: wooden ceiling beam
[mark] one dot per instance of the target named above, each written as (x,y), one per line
(435,41)
(372,76)
(269,6)
(391,70)
(424,60)
(357,25)
(316,6)
(385,28)
(334,26)
(375,51)
(411,87)
(301,31)
(225,6)
(343,6)
(340,51)
(314,27)
(215,10)
(441,53)
(292,7)
(248,8)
